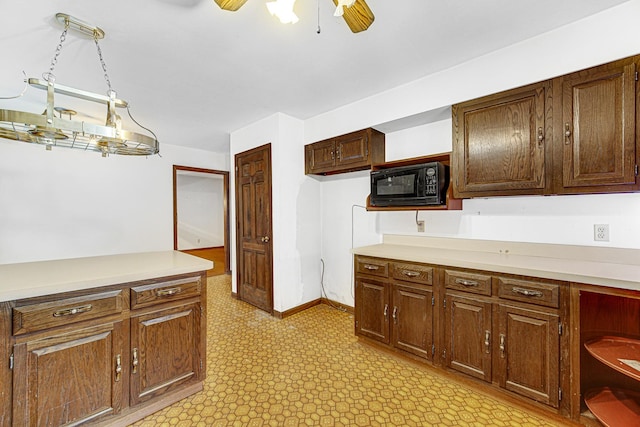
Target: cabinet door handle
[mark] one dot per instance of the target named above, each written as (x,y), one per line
(371,267)
(487,342)
(386,311)
(465,282)
(72,311)
(567,133)
(526,292)
(134,361)
(410,273)
(118,368)
(502,345)
(540,136)
(168,292)
(395,315)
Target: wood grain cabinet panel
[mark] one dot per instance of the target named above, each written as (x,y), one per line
(412,318)
(528,353)
(55,385)
(105,357)
(372,309)
(598,128)
(345,153)
(576,133)
(164,351)
(499,144)
(468,329)
(501,329)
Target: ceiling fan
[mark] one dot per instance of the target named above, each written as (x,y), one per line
(356,13)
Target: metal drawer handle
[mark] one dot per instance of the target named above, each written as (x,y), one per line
(526,292)
(502,345)
(134,362)
(395,315)
(118,368)
(410,273)
(386,311)
(72,311)
(465,282)
(371,267)
(168,292)
(487,341)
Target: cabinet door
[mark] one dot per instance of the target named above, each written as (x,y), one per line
(598,128)
(499,143)
(372,309)
(412,317)
(528,353)
(55,385)
(352,150)
(468,335)
(164,351)
(320,156)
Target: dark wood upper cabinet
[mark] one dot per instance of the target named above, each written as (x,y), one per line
(573,134)
(597,131)
(345,153)
(499,144)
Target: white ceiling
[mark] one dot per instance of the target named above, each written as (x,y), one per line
(193,73)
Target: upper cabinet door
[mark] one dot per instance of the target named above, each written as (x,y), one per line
(320,157)
(352,148)
(598,128)
(500,142)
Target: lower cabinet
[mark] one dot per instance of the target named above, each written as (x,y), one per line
(69,378)
(399,313)
(501,329)
(101,357)
(164,351)
(468,326)
(528,353)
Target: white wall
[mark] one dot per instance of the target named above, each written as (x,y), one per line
(295,210)
(69,203)
(610,35)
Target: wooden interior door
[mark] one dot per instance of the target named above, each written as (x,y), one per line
(253,227)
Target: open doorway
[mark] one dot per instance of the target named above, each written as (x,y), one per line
(201,215)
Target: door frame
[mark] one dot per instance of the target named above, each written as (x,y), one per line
(225,207)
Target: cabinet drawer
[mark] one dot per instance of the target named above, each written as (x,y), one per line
(468,282)
(155,293)
(373,266)
(36,317)
(527,291)
(412,273)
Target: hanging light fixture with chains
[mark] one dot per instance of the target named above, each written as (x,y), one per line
(55,127)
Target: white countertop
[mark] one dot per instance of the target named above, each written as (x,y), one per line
(612,267)
(30,279)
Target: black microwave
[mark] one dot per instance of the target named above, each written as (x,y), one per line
(416,185)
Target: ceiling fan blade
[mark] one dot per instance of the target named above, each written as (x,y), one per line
(358,17)
(231,5)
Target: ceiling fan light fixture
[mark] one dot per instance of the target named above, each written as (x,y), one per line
(341,5)
(51,130)
(283,10)
(231,5)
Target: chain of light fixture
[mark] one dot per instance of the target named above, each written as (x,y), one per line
(48,129)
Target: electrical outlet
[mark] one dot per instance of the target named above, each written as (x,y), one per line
(420,226)
(601,232)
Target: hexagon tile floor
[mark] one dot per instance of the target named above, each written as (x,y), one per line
(309,369)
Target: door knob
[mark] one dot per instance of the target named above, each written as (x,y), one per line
(265,239)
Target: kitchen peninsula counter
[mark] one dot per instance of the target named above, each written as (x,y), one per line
(126,332)
(31,279)
(602,266)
